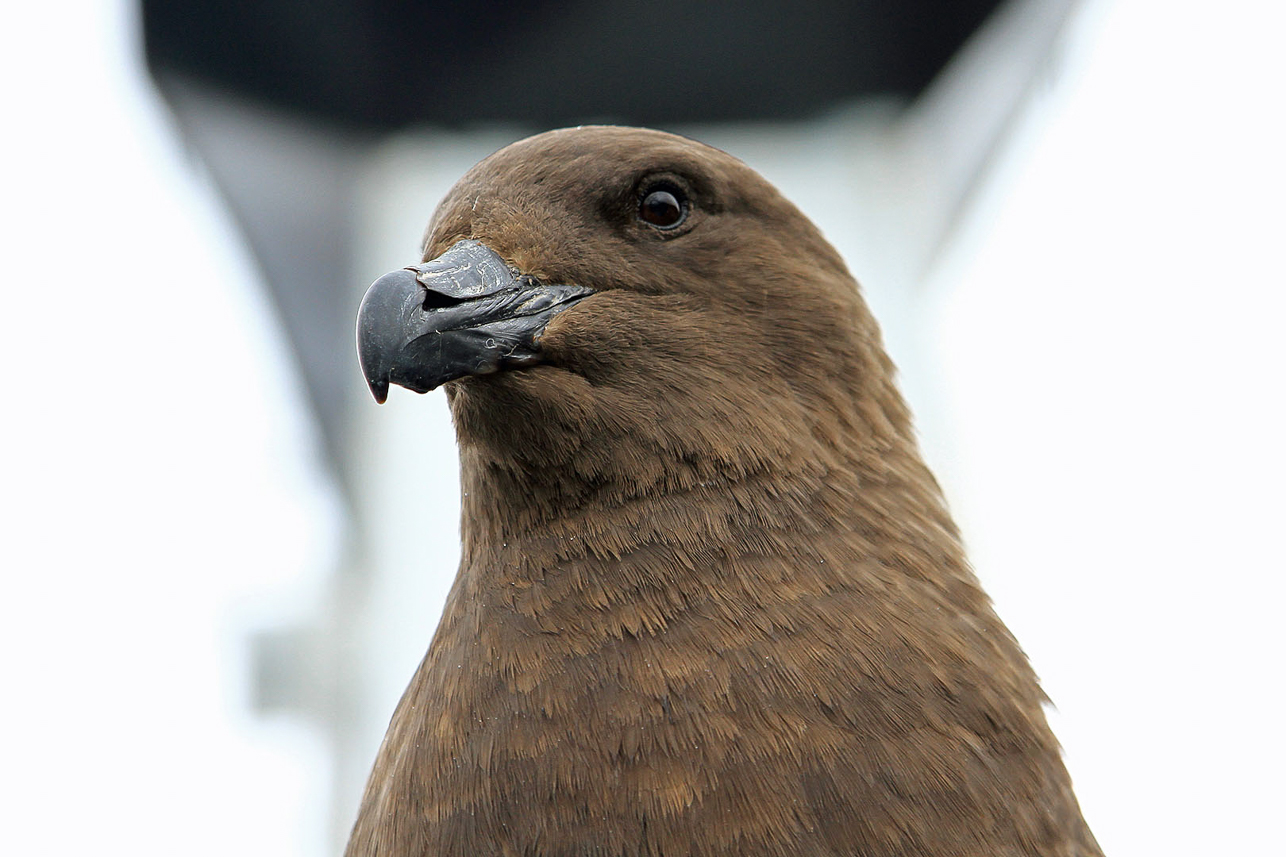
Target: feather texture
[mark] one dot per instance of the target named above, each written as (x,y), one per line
(711,601)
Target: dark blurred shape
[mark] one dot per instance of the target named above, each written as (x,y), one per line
(283,100)
(387,63)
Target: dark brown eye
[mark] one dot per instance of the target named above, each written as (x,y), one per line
(664,209)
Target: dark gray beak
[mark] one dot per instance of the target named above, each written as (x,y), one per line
(463,313)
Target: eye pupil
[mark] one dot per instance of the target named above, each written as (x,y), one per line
(663,209)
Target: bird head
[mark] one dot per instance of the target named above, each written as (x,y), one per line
(640,289)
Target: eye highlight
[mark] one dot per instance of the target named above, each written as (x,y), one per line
(664,207)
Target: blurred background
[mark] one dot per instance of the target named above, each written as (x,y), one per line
(222,562)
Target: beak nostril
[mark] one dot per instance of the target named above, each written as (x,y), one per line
(437,300)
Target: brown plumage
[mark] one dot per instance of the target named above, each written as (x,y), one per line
(711,601)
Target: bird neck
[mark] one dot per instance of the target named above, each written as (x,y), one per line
(623,499)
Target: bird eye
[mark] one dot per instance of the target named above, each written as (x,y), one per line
(664,208)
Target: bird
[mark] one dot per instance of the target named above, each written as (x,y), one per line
(710,598)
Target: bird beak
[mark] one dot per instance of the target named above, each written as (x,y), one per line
(463,313)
